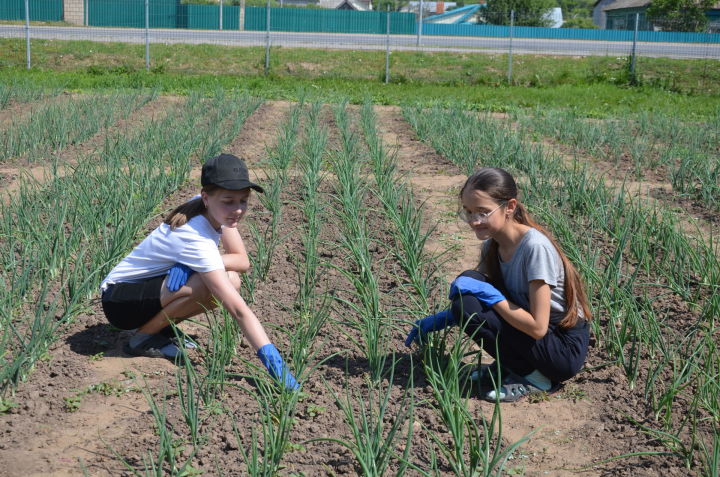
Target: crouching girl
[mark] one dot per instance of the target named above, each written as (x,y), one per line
(524,304)
(178,272)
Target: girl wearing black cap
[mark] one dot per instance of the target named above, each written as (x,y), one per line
(156,283)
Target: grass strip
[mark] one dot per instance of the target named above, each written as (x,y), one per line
(593,99)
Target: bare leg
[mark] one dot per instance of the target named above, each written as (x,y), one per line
(192,299)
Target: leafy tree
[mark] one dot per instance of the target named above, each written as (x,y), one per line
(527,12)
(577,13)
(395,5)
(679,15)
(576,8)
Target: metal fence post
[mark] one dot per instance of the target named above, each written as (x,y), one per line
(221,9)
(512,22)
(241,16)
(267,37)
(420,22)
(387,46)
(86,14)
(27,32)
(147,35)
(634,46)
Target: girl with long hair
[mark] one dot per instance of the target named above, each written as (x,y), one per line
(524,303)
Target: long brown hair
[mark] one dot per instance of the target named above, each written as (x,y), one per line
(501,187)
(184,212)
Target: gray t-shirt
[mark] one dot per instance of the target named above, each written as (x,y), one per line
(535,259)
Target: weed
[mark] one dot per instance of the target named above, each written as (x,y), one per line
(72,403)
(6,405)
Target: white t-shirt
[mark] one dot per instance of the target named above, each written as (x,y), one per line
(194,244)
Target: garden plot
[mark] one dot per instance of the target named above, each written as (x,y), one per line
(64,160)
(681,160)
(17,99)
(333,280)
(54,126)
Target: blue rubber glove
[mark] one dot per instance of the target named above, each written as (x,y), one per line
(435,322)
(481,290)
(275,365)
(178,276)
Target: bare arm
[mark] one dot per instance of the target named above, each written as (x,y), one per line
(535,324)
(235,257)
(219,285)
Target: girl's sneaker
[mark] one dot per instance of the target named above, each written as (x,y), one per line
(514,388)
(187,341)
(488,375)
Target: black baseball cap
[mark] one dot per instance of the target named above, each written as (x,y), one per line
(227,171)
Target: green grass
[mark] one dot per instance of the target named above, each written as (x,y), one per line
(596,86)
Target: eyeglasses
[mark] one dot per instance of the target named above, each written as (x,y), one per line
(480,217)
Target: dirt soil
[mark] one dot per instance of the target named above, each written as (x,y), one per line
(64,425)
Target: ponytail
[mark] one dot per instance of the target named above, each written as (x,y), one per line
(182,214)
(575,297)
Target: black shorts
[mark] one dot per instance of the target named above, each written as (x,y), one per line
(130,305)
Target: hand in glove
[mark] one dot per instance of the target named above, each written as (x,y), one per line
(178,276)
(481,290)
(277,368)
(435,322)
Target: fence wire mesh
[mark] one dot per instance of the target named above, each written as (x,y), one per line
(482,36)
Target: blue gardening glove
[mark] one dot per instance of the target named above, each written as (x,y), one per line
(275,365)
(481,290)
(435,322)
(178,276)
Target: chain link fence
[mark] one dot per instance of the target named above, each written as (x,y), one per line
(500,35)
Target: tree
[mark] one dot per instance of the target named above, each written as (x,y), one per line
(395,5)
(527,12)
(576,8)
(577,13)
(679,15)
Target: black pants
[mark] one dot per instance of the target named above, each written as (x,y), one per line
(559,355)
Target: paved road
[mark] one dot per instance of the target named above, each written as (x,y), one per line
(369,41)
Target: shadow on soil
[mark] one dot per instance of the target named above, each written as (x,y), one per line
(99,338)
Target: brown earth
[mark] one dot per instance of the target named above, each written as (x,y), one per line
(52,432)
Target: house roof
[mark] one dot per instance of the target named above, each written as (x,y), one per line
(361,5)
(620,4)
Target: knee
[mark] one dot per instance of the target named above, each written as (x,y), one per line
(235,279)
(474,274)
(465,306)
